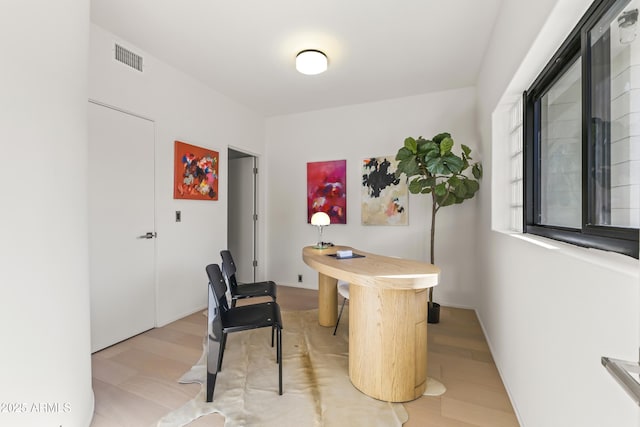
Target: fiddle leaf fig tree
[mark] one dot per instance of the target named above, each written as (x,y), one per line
(431,167)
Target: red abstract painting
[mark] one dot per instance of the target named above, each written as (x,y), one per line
(195,172)
(327,190)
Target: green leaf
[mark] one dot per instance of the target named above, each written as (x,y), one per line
(440,189)
(431,150)
(445,146)
(454,163)
(408,166)
(461,191)
(415,186)
(477,171)
(423,145)
(439,137)
(411,145)
(404,154)
(430,181)
(454,181)
(472,186)
(436,166)
(446,200)
(466,150)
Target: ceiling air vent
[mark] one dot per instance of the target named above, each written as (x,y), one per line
(128,58)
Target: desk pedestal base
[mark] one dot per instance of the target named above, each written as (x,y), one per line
(388,342)
(327,300)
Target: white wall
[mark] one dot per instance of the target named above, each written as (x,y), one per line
(549,312)
(186,110)
(355,133)
(45,369)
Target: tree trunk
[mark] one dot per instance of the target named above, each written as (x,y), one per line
(433,239)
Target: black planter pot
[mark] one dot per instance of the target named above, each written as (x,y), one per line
(433,315)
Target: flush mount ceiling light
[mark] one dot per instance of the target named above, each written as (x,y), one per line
(311,62)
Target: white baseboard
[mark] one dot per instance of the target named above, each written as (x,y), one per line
(160,323)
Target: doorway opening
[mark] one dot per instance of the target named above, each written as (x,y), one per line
(242,222)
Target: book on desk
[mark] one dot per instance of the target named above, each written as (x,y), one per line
(346,255)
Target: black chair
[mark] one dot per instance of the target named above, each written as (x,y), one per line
(223,320)
(244,290)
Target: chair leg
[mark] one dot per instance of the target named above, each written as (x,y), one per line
(339,315)
(272,331)
(279,357)
(223,344)
(211,386)
(279,345)
(213,360)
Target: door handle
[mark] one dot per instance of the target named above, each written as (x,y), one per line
(149,235)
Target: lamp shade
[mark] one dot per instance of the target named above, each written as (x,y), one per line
(320,218)
(311,62)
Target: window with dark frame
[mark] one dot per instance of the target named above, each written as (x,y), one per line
(582,135)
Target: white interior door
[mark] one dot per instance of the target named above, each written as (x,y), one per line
(241,216)
(121,212)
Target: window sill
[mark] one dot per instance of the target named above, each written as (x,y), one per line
(619,263)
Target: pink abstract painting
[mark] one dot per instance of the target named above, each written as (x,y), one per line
(327,190)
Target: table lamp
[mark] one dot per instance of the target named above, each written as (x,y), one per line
(320,219)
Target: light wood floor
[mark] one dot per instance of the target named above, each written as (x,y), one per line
(135,382)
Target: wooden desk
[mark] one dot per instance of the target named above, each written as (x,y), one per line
(387,318)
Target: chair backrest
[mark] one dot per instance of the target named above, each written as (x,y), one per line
(343,288)
(217,300)
(229,269)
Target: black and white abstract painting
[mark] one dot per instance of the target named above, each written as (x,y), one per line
(385,198)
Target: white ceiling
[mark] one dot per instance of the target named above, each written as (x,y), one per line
(245,49)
